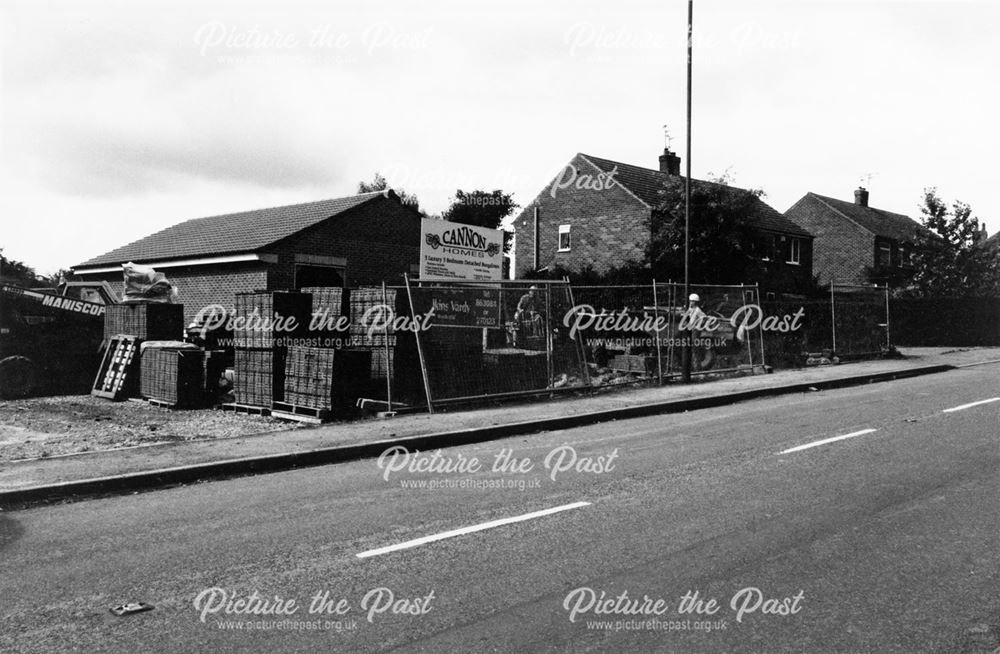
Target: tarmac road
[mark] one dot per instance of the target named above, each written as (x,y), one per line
(885,541)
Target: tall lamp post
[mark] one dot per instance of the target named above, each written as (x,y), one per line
(686,350)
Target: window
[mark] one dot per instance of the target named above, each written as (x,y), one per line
(795,251)
(770,248)
(313,275)
(564,241)
(884,255)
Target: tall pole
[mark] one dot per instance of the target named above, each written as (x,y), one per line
(686,352)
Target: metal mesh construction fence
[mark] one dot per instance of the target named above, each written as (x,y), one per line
(478,340)
(851,322)
(431,344)
(638,332)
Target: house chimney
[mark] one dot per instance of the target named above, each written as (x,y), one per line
(861,197)
(670,163)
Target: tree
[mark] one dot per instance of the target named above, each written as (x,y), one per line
(723,244)
(17,272)
(482,209)
(948,258)
(380,184)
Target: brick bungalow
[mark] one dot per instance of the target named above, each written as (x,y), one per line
(856,243)
(574,223)
(357,240)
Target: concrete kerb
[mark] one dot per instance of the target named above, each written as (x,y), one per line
(165,477)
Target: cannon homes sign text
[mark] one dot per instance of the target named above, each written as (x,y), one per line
(453,251)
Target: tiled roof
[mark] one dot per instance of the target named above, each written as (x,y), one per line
(646,184)
(246,231)
(993,243)
(877,221)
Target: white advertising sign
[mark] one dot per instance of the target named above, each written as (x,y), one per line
(453,251)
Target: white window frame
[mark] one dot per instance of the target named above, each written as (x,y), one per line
(795,252)
(564,229)
(887,248)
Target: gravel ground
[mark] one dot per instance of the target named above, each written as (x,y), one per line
(50,426)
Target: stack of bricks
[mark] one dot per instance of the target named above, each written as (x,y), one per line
(364,316)
(266,324)
(327,308)
(323,378)
(145,321)
(173,376)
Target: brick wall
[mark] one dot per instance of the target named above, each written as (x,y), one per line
(200,286)
(608,227)
(380,240)
(842,250)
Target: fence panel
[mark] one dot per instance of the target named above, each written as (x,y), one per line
(466,340)
(945,322)
(861,321)
(496,338)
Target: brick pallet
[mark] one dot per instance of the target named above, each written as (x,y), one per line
(329,299)
(258,376)
(173,376)
(324,379)
(145,321)
(255,318)
(362,300)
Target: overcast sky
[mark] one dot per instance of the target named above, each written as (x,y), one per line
(122,118)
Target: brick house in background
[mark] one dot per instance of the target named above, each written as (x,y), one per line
(357,240)
(855,243)
(605,225)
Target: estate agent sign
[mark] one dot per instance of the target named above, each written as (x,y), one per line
(450,251)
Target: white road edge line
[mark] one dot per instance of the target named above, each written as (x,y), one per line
(827,440)
(970,404)
(468,530)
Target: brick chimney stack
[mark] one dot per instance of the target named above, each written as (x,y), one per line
(861,197)
(670,163)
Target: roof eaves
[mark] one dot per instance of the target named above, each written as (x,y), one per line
(625,188)
(834,209)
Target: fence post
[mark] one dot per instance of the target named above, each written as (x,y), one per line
(581,348)
(656,335)
(743,298)
(388,355)
(762,361)
(420,348)
(888,341)
(548,332)
(833,321)
(671,301)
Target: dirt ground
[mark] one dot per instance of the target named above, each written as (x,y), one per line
(52,426)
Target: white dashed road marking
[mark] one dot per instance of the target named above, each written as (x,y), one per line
(826,440)
(468,530)
(970,404)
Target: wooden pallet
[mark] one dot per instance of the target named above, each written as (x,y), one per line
(163,404)
(115,374)
(246,408)
(297,413)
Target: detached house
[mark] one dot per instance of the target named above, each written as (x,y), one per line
(602,213)
(856,244)
(357,240)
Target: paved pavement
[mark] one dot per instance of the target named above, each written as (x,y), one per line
(888,538)
(116,463)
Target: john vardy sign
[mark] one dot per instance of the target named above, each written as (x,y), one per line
(453,251)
